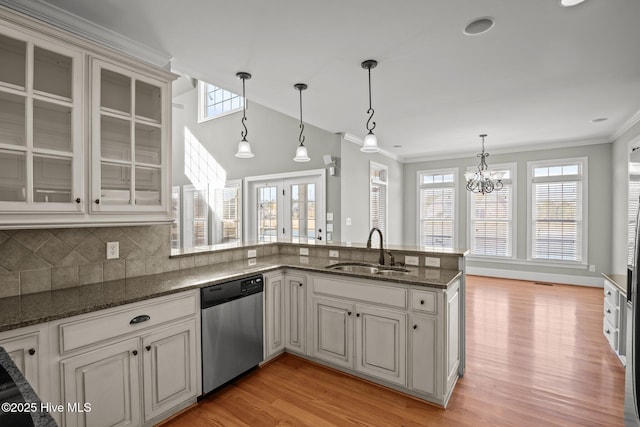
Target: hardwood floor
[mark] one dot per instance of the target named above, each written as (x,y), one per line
(535,356)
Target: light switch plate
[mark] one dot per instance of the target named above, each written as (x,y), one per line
(113,250)
(304,251)
(411,260)
(251,261)
(334,254)
(329,228)
(347,221)
(329,216)
(251,253)
(431,261)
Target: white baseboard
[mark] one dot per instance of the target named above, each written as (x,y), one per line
(566,279)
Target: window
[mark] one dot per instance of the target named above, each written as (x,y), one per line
(215,102)
(227,213)
(558,210)
(436,216)
(634,195)
(491,216)
(196,217)
(378,199)
(175,226)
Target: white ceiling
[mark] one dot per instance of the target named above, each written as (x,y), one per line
(536,79)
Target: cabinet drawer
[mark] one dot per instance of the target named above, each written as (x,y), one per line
(611,314)
(384,295)
(610,294)
(610,333)
(424,301)
(102,326)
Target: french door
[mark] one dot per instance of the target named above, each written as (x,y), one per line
(286,206)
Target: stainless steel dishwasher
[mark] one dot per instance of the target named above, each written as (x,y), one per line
(231,330)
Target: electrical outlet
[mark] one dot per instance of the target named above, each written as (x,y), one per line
(411,260)
(304,260)
(431,261)
(251,253)
(347,221)
(592,267)
(329,228)
(113,250)
(251,261)
(334,254)
(329,216)
(304,251)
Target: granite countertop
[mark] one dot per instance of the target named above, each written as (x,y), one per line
(618,280)
(31,309)
(11,382)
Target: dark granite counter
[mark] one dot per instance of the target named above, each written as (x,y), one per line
(31,309)
(25,408)
(618,280)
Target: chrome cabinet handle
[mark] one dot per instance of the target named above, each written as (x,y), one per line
(139,319)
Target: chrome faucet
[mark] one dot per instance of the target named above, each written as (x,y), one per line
(381,260)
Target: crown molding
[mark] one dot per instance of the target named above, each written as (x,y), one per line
(86,29)
(633,120)
(358,141)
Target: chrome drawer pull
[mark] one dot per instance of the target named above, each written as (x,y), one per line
(139,319)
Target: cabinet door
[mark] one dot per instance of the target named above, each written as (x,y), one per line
(274,327)
(25,352)
(333,331)
(423,356)
(169,368)
(381,343)
(295,317)
(129,140)
(452,336)
(108,380)
(41,125)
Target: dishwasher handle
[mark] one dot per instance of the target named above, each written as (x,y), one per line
(139,319)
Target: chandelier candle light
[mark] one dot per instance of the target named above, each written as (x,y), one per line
(301,152)
(483,181)
(244,149)
(370,144)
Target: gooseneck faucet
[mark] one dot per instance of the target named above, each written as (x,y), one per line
(381,260)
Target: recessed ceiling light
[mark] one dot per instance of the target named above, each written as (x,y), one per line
(397,146)
(479,26)
(599,119)
(567,3)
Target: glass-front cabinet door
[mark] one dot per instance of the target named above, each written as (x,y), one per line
(129,141)
(41,151)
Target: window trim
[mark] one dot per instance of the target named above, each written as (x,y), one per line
(584,175)
(456,201)
(379,166)
(513,168)
(202,108)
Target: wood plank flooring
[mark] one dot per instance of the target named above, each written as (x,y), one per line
(535,356)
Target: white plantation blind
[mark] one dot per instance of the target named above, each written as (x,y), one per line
(378,200)
(196,217)
(437,195)
(634,195)
(491,216)
(557,211)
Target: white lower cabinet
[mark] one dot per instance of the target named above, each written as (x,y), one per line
(274,342)
(108,380)
(333,331)
(133,364)
(295,305)
(423,354)
(26,348)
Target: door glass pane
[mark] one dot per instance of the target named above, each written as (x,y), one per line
(116,180)
(51,126)
(12,114)
(303,211)
(52,179)
(147,186)
(116,139)
(148,101)
(115,92)
(195,217)
(13,176)
(51,72)
(148,143)
(13,54)
(267,214)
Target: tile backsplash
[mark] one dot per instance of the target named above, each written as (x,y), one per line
(40,260)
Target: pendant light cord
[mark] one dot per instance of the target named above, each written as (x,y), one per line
(370,110)
(244,133)
(301,137)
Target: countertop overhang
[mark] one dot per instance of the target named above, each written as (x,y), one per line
(31,309)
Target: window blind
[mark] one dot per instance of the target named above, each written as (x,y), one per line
(491,229)
(437,209)
(378,199)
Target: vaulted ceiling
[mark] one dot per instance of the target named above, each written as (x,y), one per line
(537,78)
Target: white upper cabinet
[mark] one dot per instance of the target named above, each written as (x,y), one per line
(84,131)
(41,124)
(129,140)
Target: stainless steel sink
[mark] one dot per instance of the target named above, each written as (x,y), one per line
(355,268)
(358,267)
(393,272)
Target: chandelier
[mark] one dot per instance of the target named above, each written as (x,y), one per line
(483,181)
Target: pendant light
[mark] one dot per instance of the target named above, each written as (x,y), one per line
(244,149)
(301,151)
(370,144)
(483,181)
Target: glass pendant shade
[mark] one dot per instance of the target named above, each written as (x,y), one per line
(244,150)
(370,144)
(301,154)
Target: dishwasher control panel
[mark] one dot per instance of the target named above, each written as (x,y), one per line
(228,291)
(251,286)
